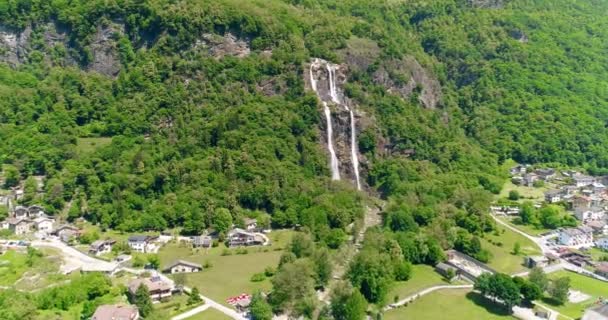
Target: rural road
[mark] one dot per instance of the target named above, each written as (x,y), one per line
(75,260)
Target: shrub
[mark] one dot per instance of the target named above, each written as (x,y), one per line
(258,277)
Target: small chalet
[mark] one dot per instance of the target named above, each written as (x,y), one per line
(182,266)
(240,237)
(143,243)
(156,286)
(599,227)
(602,243)
(67,232)
(596,312)
(443,269)
(251,224)
(553,196)
(202,241)
(19,226)
(545,174)
(601,269)
(44,223)
(529,179)
(116,312)
(582,180)
(100,247)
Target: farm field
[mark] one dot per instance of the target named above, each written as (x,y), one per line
(440,305)
(592,287)
(230,270)
(501,247)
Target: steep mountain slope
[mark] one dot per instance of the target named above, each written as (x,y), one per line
(209,105)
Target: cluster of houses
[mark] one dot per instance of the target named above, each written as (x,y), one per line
(23,220)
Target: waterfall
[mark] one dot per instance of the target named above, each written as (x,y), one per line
(335,170)
(334,97)
(353,148)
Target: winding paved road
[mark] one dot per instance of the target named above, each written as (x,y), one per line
(78,260)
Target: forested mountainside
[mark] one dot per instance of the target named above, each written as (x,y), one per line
(197,106)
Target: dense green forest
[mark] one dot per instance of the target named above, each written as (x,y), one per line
(180,134)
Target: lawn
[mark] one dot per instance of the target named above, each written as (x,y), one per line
(229,275)
(423,276)
(209,314)
(594,288)
(86,145)
(174,306)
(501,247)
(525,193)
(449,304)
(14,269)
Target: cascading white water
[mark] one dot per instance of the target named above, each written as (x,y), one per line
(335,170)
(333,94)
(353,148)
(334,164)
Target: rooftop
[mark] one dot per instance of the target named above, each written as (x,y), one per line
(115,312)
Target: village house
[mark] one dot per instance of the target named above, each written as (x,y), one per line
(182,266)
(602,243)
(116,312)
(19,226)
(576,237)
(597,187)
(20,212)
(596,312)
(529,179)
(100,247)
(518,169)
(240,237)
(444,270)
(545,174)
(553,196)
(43,223)
(66,233)
(143,244)
(590,215)
(599,227)
(251,224)
(202,241)
(156,286)
(35,211)
(601,269)
(582,180)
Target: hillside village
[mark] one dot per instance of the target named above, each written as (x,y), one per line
(577,248)
(130,259)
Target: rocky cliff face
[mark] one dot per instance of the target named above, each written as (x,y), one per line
(406,77)
(16,46)
(226,45)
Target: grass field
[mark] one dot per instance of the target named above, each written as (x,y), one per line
(229,275)
(86,145)
(449,304)
(423,276)
(525,193)
(176,305)
(209,314)
(529,229)
(501,247)
(594,288)
(15,271)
